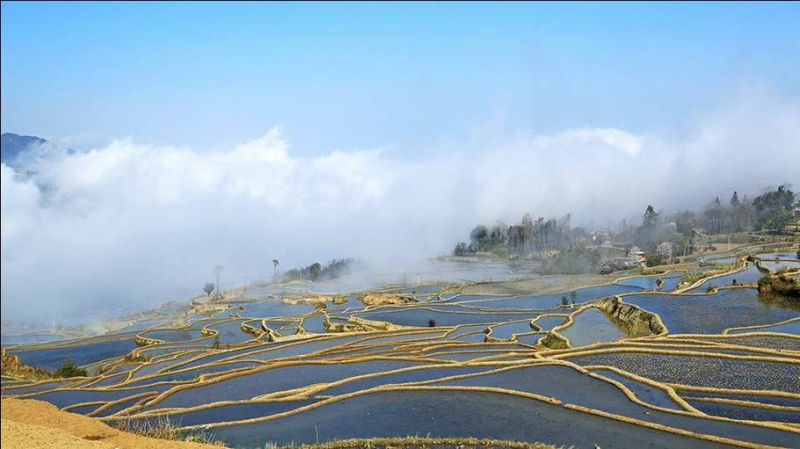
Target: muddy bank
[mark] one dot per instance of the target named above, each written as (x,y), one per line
(11,366)
(634,320)
(781,284)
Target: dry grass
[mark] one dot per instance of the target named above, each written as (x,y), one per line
(164,429)
(419,442)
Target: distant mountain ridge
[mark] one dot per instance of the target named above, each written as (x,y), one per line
(12,145)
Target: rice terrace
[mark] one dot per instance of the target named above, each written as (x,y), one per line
(416,225)
(284,364)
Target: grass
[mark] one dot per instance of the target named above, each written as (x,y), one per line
(164,429)
(418,442)
(691,278)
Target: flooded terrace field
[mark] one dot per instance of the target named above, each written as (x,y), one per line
(558,367)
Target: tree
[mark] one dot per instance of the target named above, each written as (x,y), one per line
(564,301)
(208,288)
(460,249)
(774,209)
(275,264)
(650,216)
(684,223)
(647,233)
(479,237)
(314,271)
(713,215)
(735,199)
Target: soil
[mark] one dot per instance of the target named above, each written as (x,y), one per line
(32,424)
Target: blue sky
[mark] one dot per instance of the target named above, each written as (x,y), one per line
(408,77)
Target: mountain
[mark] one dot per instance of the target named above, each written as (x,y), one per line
(13,145)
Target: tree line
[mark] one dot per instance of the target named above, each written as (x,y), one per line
(567,250)
(317,272)
(527,238)
(769,212)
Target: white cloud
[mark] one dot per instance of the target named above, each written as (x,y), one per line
(132,222)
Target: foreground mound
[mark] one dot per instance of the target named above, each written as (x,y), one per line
(35,424)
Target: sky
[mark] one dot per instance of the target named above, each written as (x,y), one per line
(406,77)
(231,134)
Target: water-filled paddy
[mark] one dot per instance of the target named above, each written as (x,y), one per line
(741,412)
(775,266)
(749,275)
(647,393)
(274,308)
(323,365)
(547,323)
(173,335)
(314,324)
(453,414)
(51,359)
(230,332)
(421,316)
(702,371)
(231,412)
(25,339)
(552,300)
(63,398)
(274,380)
(591,326)
(714,313)
(790,327)
(505,331)
(650,282)
(785,255)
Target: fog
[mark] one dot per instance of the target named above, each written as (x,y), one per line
(140,223)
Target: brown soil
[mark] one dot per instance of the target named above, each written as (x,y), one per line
(28,423)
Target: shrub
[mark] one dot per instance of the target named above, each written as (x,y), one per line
(652,260)
(68,369)
(431,323)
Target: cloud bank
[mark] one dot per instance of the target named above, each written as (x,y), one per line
(140,224)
